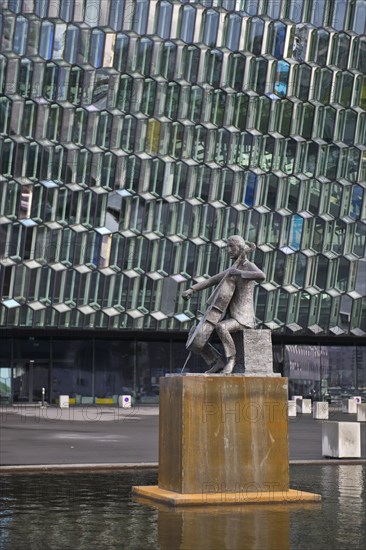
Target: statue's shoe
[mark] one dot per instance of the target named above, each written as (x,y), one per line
(216,367)
(229,367)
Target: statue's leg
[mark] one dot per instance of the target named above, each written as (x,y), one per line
(224,330)
(200,346)
(212,358)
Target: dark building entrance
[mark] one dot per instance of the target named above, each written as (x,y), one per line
(28,380)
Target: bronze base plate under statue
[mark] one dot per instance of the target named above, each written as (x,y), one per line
(223,440)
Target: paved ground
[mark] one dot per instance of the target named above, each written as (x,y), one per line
(104,435)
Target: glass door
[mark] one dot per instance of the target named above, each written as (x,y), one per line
(28,380)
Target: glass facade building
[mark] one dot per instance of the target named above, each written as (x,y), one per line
(136,136)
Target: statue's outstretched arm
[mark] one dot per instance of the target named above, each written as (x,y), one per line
(214,280)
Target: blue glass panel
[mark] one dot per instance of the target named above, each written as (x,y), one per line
(140,16)
(15,5)
(233,31)
(296,226)
(168,56)
(67,10)
(250,188)
(251,7)
(59,41)
(20,35)
(116,14)
(295,9)
(41,8)
(359,23)
(317,15)
(46,42)
(280,85)
(187,24)
(339,14)
(255,36)
(211,25)
(356,202)
(273,9)
(96,50)
(71,44)
(279,43)
(120,53)
(165,18)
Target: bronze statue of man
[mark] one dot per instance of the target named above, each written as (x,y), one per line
(230,307)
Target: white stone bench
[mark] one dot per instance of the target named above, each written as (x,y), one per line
(321,410)
(291,408)
(349,406)
(341,439)
(303,406)
(361,412)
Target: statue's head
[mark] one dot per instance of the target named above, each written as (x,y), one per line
(238,247)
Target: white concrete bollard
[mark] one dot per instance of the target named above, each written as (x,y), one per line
(341,439)
(349,406)
(64,402)
(361,412)
(291,408)
(295,397)
(303,406)
(125,401)
(320,410)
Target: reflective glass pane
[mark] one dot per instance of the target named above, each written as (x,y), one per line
(187,23)
(46,41)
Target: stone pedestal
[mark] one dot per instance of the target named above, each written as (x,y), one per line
(341,439)
(361,412)
(223,439)
(321,410)
(349,406)
(254,352)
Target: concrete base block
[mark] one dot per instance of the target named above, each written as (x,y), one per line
(341,439)
(64,402)
(291,408)
(321,410)
(295,397)
(303,406)
(125,401)
(361,412)
(349,406)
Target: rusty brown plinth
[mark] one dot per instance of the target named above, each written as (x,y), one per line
(223,440)
(221,434)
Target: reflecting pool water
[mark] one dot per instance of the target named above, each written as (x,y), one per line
(96,510)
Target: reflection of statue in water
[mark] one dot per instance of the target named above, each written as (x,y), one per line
(230,307)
